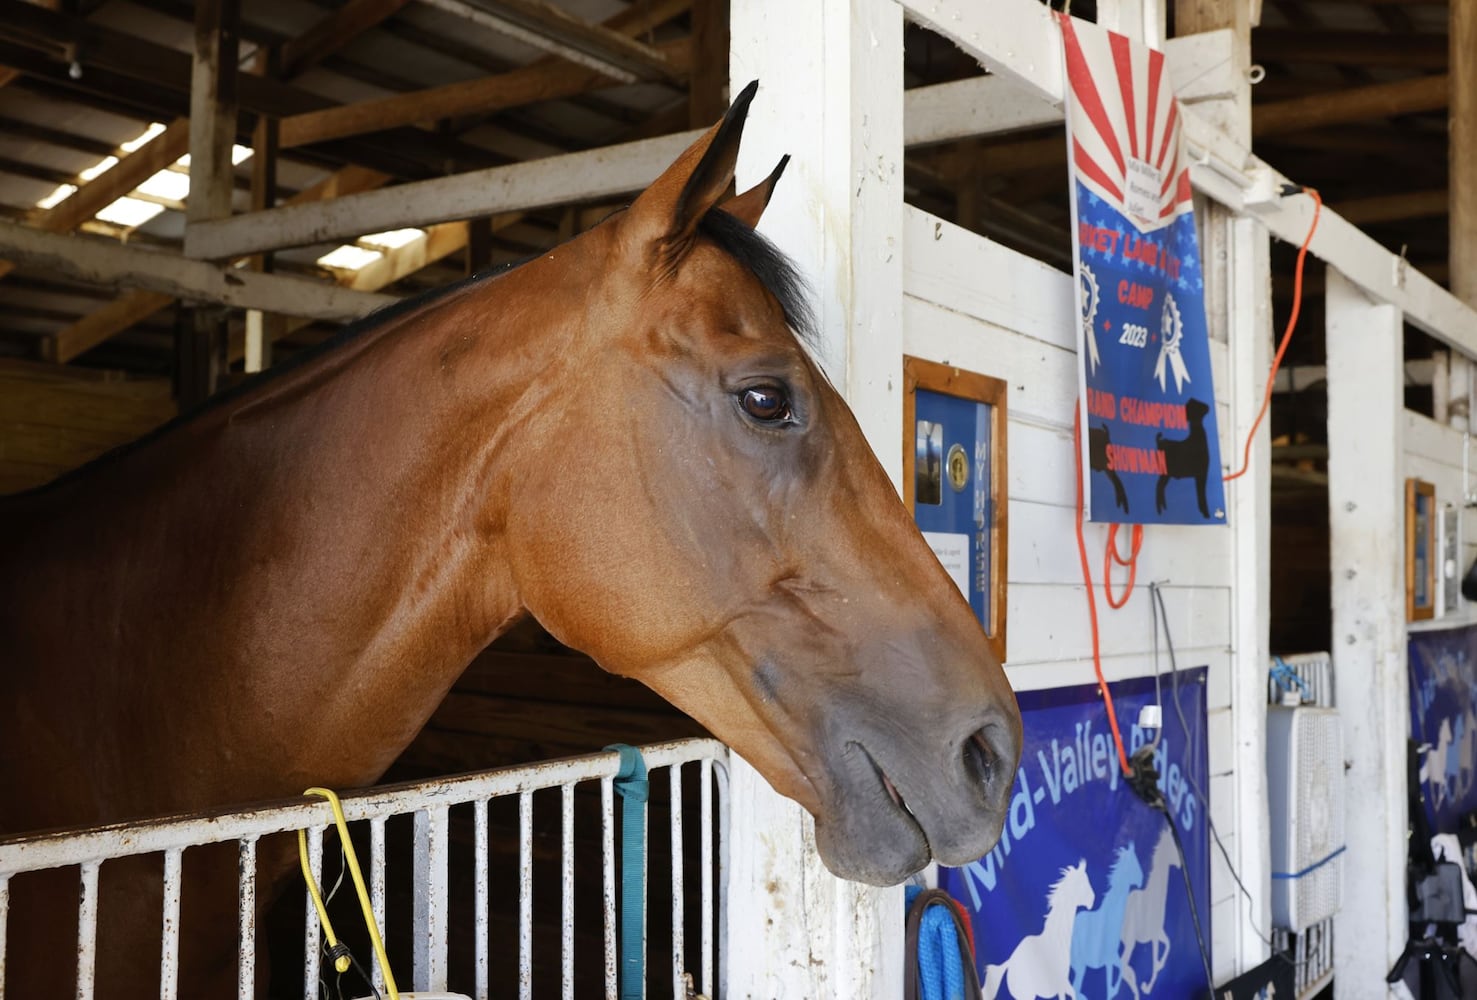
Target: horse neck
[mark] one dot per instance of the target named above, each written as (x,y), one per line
(1064,913)
(328,544)
(1116,896)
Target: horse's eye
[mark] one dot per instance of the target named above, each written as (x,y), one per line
(766,403)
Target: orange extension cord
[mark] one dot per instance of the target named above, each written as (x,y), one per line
(1097,657)
(1292,322)
(1110,553)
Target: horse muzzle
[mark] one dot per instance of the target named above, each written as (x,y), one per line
(900,800)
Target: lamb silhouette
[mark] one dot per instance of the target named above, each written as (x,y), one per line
(1097,461)
(1186,458)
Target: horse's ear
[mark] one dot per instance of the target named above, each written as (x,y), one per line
(669,211)
(749,206)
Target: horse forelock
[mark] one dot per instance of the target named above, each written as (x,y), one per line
(776,272)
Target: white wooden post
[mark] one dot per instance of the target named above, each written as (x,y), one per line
(831,96)
(1366,501)
(1249,303)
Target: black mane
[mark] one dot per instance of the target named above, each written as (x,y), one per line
(776,272)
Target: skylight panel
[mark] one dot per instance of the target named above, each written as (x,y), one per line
(129,212)
(348,258)
(393,239)
(171,185)
(134,145)
(61,194)
(101,166)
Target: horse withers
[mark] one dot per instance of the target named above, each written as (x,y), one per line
(624,438)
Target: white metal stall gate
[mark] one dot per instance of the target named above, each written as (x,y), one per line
(429,804)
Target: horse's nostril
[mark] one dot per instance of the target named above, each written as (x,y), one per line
(980,760)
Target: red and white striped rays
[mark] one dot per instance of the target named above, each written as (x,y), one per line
(1124,126)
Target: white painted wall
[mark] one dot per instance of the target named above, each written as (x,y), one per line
(975,304)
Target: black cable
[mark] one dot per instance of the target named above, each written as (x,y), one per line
(1194,910)
(1157,596)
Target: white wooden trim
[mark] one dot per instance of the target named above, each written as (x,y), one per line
(981,105)
(1012,38)
(104,262)
(1249,499)
(1366,491)
(553,180)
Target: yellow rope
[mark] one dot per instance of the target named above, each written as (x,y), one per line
(342,962)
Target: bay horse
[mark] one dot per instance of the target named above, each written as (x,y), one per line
(623,438)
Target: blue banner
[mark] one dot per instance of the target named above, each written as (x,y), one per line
(1148,403)
(1443,715)
(1085,893)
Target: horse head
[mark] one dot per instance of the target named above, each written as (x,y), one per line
(704,514)
(1126,871)
(1073,889)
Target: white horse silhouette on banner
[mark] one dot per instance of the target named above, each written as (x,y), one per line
(1040,966)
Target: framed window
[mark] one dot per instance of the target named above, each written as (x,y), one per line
(954,479)
(1421,551)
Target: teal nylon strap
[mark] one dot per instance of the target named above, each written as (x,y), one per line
(631,783)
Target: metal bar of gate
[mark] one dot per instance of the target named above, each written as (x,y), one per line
(246,919)
(679,964)
(377,890)
(428,805)
(169,954)
(607,847)
(428,962)
(481,892)
(87,932)
(525,896)
(310,919)
(566,911)
(705,855)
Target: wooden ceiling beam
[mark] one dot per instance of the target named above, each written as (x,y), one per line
(555,31)
(106,262)
(1394,207)
(1349,48)
(334,32)
(545,79)
(1354,104)
(133,307)
(54,137)
(516,88)
(1462,33)
(157,76)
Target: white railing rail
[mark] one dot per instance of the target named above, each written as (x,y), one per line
(430,804)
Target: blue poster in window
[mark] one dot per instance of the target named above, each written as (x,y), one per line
(1443,715)
(952,503)
(1085,893)
(1147,401)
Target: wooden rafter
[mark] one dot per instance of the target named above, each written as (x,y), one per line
(105,262)
(1353,104)
(1463,147)
(1350,48)
(1394,207)
(157,77)
(333,32)
(561,34)
(133,307)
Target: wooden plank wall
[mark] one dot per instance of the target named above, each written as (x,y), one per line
(978,305)
(55,418)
